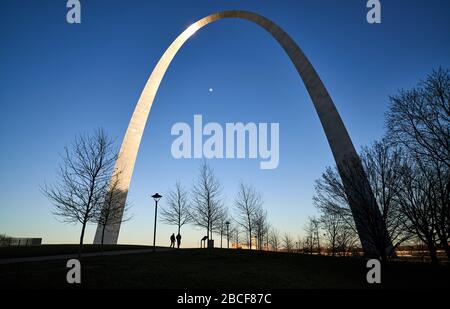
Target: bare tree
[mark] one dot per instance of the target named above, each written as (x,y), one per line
(83,180)
(247,203)
(207,200)
(177,211)
(417,200)
(267,228)
(408,173)
(298,244)
(312,230)
(419,120)
(340,236)
(306,247)
(220,226)
(383,164)
(5,240)
(288,243)
(316,228)
(331,224)
(235,233)
(309,236)
(330,198)
(274,239)
(260,224)
(346,240)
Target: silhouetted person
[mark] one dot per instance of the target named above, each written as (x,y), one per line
(178,240)
(172,241)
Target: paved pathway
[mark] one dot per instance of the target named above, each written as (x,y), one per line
(74,256)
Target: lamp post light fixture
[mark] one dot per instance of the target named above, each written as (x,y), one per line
(228,234)
(156,197)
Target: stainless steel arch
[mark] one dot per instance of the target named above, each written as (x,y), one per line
(341,145)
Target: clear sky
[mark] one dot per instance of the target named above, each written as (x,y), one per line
(60,79)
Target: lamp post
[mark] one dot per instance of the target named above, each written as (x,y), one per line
(156,197)
(228,234)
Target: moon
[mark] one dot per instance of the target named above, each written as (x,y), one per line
(211,90)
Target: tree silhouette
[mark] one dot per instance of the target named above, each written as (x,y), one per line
(83,180)
(419,120)
(247,203)
(207,206)
(177,212)
(274,239)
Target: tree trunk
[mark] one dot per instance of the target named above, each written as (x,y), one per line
(103,238)
(433,253)
(318,244)
(250,237)
(80,248)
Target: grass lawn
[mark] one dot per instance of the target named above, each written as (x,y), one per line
(195,268)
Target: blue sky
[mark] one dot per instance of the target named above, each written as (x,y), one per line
(60,79)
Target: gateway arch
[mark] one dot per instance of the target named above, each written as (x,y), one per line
(360,196)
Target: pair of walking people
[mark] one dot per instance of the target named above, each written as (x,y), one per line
(172,240)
